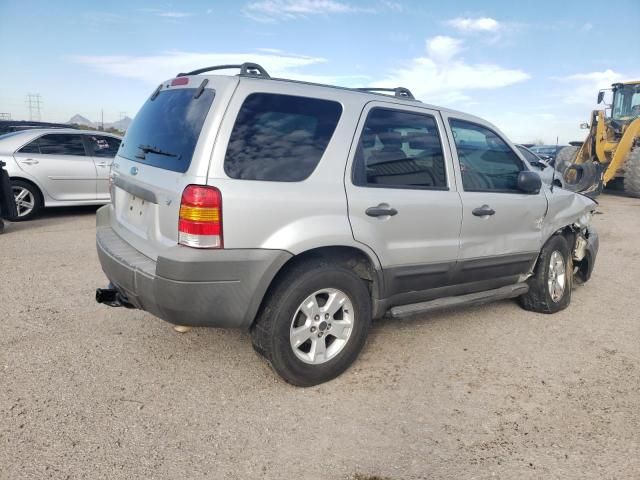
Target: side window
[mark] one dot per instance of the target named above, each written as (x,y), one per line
(486,161)
(106,147)
(530,156)
(280,138)
(400,149)
(32,147)
(62,144)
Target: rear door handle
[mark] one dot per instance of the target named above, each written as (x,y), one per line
(381,210)
(483,211)
(29,161)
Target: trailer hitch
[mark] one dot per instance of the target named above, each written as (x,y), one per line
(111,297)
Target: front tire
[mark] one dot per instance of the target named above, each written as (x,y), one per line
(28,200)
(632,173)
(550,286)
(314,323)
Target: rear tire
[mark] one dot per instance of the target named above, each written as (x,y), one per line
(552,281)
(294,313)
(565,157)
(28,200)
(632,173)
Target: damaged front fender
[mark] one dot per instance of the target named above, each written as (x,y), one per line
(570,213)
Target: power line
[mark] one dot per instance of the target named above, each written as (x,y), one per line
(34,103)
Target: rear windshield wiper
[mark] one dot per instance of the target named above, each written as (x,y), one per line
(156,150)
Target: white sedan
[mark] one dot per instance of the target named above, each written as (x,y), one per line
(58,167)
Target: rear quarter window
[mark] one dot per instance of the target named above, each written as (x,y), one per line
(280,138)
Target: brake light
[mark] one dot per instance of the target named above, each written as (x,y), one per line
(179,81)
(200,219)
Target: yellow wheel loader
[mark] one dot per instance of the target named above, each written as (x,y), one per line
(611,151)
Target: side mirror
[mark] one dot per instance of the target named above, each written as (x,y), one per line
(529,182)
(600,97)
(585,126)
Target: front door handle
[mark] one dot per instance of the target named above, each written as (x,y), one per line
(483,211)
(382,210)
(29,161)
(102,164)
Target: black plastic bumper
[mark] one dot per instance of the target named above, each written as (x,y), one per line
(222,288)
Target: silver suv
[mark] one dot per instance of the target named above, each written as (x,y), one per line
(302,211)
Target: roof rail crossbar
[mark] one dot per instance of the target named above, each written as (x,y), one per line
(246,69)
(398,91)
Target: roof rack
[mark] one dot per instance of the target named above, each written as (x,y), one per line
(400,92)
(246,69)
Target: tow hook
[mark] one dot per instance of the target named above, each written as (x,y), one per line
(111,297)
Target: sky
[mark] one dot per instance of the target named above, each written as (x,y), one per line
(531,68)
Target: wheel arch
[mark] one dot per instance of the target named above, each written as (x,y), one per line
(354,258)
(40,190)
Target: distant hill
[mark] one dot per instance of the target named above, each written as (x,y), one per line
(121,125)
(80,120)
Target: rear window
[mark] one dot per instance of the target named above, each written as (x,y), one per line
(280,138)
(166,129)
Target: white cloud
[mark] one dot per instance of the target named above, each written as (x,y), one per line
(441,48)
(156,68)
(273,10)
(582,88)
(174,14)
(443,77)
(481,24)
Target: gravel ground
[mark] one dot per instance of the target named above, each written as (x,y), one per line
(92,392)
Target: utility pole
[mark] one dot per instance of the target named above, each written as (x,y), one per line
(34,103)
(122,115)
(102,119)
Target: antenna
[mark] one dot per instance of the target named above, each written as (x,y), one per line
(34,103)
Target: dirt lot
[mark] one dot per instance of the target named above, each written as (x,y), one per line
(92,392)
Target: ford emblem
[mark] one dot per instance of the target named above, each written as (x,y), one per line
(134,170)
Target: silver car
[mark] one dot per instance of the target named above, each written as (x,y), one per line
(58,167)
(302,211)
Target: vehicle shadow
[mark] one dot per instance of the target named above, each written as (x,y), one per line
(52,217)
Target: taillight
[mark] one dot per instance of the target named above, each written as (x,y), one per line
(200,220)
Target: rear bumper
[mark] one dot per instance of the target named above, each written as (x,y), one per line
(186,286)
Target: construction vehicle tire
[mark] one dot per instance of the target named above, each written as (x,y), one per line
(632,173)
(565,157)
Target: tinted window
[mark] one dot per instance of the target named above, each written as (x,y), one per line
(530,156)
(486,161)
(103,146)
(61,144)
(168,127)
(400,149)
(280,137)
(30,147)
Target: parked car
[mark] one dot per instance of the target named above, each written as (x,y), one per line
(547,152)
(58,167)
(302,211)
(546,171)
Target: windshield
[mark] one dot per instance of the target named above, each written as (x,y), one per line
(166,129)
(626,102)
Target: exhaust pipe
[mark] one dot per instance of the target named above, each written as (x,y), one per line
(111,297)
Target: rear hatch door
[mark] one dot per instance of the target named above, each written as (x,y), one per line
(167,147)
